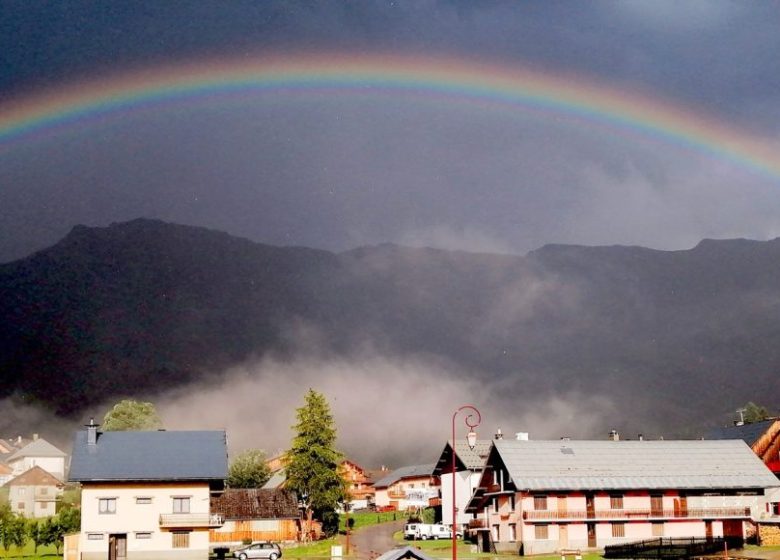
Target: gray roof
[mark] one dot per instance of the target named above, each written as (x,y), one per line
(472,459)
(159,455)
(405,552)
(749,433)
(37,448)
(608,465)
(277,479)
(404,472)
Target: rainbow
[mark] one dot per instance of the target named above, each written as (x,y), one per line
(451,79)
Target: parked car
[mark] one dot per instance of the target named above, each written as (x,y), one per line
(266,550)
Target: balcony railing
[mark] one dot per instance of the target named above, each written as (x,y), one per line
(629,514)
(396,494)
(183,520)
(477,524)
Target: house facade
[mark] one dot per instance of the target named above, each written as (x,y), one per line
(148,495)
(539,497)
(408,488)
(360,486)
(34,493)
(38,453)
(468,472)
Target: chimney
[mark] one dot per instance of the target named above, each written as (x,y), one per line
(92,432)
(18,440)
(521,436)
(35,437)
(498,435)
(641,437)
(614,435)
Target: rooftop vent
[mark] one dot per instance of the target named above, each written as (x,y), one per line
(521,436)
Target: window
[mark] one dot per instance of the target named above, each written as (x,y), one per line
(22,491)
(616,502)
(512,502)
(143,500)
(143,535)
(107,505)
(618,529)
(495,505)
(94,536)
(20,505)
(496,533)
(512,532)
(540,503)
(658,529)
(541,532)
(181,539)
(181,505)
(44,505)
(44,491)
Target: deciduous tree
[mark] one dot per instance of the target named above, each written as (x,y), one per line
(129,414)
(313,462)
(248,470)
(754,412)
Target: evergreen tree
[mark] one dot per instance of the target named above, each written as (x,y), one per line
(248,470)
(313,463)
(131,415)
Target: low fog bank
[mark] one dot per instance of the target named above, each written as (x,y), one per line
(388,411)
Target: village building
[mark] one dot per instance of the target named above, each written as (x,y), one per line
(34,493)
(256,515)
(468,468)
(148,494)
(360,486)
(763,437)
(538,497)
(6,473)
(38,453)
(408,488)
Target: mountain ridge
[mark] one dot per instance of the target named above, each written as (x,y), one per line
(144,306)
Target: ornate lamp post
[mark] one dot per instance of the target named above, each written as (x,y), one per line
(471,438)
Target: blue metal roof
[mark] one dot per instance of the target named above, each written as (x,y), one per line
(749,433)
(160,455)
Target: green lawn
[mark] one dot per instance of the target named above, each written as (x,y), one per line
(364,519)
(44,553)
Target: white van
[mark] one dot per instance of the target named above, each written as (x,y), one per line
(425,531)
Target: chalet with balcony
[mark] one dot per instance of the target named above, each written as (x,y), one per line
(407,488)
(468,471)
(34,493)
(148,494)
(544,496)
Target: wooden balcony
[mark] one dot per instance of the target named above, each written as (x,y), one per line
(634,514)
(396,494)
(189,520)
(477,524)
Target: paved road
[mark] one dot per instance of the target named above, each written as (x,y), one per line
(369,542)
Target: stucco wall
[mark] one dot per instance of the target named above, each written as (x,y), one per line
(132,518)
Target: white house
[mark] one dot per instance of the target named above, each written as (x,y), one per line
(538,497)
(147,494)
(468,468)
(407,488)
(38,453)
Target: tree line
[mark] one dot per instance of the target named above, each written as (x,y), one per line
(17,530)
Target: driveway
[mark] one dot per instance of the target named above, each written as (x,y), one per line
(369,542)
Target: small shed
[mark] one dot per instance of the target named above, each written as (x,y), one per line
(256,514)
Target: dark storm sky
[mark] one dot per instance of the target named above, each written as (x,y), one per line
(337,172)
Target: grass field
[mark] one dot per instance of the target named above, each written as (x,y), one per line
(44,553)
(364,519)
